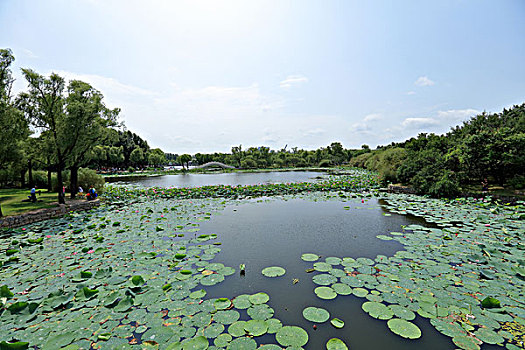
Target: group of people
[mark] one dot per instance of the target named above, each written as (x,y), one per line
(90,195)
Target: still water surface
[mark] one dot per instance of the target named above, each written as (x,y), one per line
(278,232)
(196,180)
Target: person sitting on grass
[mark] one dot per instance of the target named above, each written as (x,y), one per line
(32,196)
(92,194)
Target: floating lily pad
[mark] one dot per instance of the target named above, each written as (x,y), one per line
(404,328)
(337,323)
(273,271)
(310,257)
(336,344)
(324,279)
(243,343)
(325,293)
(259,298)
(256,327)
(316,314)
(466,343)
(292,336)
(377,310)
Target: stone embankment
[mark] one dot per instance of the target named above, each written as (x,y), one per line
(47,213)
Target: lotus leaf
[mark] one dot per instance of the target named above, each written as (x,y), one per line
(243,343)
(324,279)
(325,292)
(226,316)
(377,310)
(404,328)
(315,314)
(260,312)
(292,336)
(236,329)
(337,323)
(336,344)
(197,343)
(259,298)
(310,257)
(466,343)
(273,271)
(256,327)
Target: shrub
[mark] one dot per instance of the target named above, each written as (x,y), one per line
(517,182)
(89,177)
(325,163)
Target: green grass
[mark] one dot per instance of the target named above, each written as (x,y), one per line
(11,201)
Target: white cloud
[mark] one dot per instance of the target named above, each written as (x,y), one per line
(411,93)
(28,53)
(424,81)
(413,123)
(293,80)
(457,115)
(373,117)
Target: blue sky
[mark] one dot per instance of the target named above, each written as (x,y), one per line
(202,76)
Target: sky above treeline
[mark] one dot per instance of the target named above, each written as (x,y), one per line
(202,76)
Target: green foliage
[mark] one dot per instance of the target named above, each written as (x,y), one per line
(89,177)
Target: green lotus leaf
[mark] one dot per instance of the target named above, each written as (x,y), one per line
(404,328)
(377,310)
(342,289)
(273,271)
(324,279)
(274,325)
(310,257)
(337,323)
(14,346)
(259,298)
(490,302)
(242,302)
(260,312)
(291,336)
(256,327)
(5,292)
(489,336)
(336,344)
(243,343)
(322,267)
(222,340)
(222,303)
(360,292)
(402,312)
(198,294)
(236,329)
(197,343)
(325,293)
(137,280)
(226,316)
(333,260)
(316,314)
(180,256)
(466,343)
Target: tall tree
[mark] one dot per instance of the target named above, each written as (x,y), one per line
(85,120)
(43,105)
(13,127)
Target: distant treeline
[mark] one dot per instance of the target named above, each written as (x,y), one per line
(489,147)
(264,157)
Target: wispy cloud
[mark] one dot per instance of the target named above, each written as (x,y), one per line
(293,80)
(373,117)
(411,93)
(424,81)
(28,53)
(413,123)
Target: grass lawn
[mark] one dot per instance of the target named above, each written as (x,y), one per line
(11,201)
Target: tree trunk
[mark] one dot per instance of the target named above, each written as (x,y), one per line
(61,199)
(30,174)
(73,181)
(22,178)
(49,188)
(1,214)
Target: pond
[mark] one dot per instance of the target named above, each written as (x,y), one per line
(278,232)
(149,270)
(236,178)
